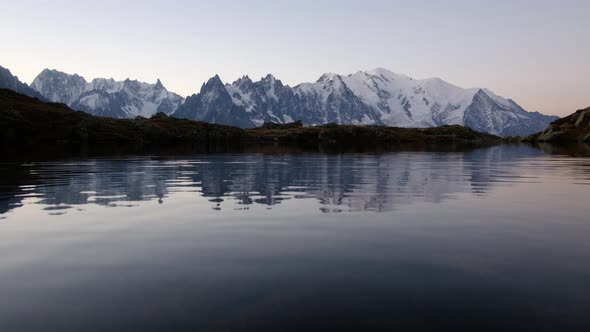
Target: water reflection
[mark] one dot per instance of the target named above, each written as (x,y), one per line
(493,239)
(347,182)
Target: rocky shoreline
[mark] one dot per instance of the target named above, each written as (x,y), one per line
(350,135)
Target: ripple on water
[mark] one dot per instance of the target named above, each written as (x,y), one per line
(348,182)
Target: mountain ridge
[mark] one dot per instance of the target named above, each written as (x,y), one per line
(374,97)
(11,82)
(106,97)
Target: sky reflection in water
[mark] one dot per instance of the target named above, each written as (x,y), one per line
(488,239)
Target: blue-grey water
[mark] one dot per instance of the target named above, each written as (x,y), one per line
(487,239)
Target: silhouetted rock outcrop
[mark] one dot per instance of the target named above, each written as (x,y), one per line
(572,128)
(350,135)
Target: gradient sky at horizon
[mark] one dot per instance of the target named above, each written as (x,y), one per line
(535,52)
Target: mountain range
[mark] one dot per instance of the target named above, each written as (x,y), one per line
(106,97)
(376,97)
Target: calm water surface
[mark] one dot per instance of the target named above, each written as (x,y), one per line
(489,239)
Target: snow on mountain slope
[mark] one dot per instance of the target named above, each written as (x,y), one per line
(330,99)
(267,100)
(59,87)
(214,104)
(405,102)
(402,101)
(106,97)
(378,97)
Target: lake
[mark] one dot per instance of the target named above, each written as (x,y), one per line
(486,239)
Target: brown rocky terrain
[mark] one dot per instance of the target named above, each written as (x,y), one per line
(572,128)
(370,135)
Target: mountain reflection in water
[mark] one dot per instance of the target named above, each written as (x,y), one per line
(493,239)
(345,182)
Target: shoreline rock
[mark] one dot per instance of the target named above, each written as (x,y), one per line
(572,128)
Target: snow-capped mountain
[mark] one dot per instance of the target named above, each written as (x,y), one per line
(372,97)
(267,100)
(11,82)
(378,97)
(106,97)
(214,105)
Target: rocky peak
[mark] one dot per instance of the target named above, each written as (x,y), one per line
(132,85)
(58,86)
(7,80)
(329,77)
(11,82)
(244,78)
(104,84)
(213,84)
(243,83)
(159,85)
(269,77)
(482,96)
(271,83)
(46,73)
(107,97)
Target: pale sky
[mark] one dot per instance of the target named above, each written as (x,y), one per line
(536,52)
